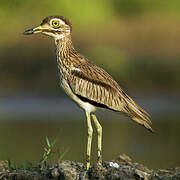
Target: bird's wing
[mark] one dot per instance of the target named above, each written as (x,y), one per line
(93,84)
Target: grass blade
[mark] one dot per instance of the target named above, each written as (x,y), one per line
(63,154)
(48,143)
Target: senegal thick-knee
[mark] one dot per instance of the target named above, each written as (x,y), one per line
(90,86)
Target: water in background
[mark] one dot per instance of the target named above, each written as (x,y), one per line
(25,122)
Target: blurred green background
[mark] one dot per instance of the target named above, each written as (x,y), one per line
(136,41)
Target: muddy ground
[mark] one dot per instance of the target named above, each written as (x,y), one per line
(122,168)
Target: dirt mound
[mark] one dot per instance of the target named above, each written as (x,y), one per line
(120,169)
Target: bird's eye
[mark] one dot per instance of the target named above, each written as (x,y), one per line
(55,23)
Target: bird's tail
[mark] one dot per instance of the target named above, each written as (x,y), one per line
(139,115)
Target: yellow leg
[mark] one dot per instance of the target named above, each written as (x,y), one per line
(99,131)
(90,132)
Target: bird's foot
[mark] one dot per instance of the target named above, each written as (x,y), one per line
(87,166)
(99,164)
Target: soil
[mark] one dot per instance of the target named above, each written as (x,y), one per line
(122,168)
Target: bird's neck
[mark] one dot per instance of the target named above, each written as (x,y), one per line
(64,48)
(67,56)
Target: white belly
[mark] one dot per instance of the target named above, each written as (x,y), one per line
(84,105)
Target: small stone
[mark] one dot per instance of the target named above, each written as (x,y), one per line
(112,164)
(55,172)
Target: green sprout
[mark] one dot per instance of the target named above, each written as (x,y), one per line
(47,151)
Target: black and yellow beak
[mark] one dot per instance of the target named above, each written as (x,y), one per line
(33,30)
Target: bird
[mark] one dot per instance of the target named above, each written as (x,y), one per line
(87,84)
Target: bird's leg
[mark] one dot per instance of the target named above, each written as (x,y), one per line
(90,132)
(99,131)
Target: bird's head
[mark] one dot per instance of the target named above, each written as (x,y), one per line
(55,26)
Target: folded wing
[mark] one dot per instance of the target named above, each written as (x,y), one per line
(91,83)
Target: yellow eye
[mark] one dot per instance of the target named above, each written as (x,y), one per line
(55,23)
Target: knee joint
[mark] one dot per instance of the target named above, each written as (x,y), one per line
(99,130)
(90,131)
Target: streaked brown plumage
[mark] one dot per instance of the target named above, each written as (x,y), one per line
(88,85)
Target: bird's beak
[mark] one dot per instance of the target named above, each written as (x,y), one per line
(33,30)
